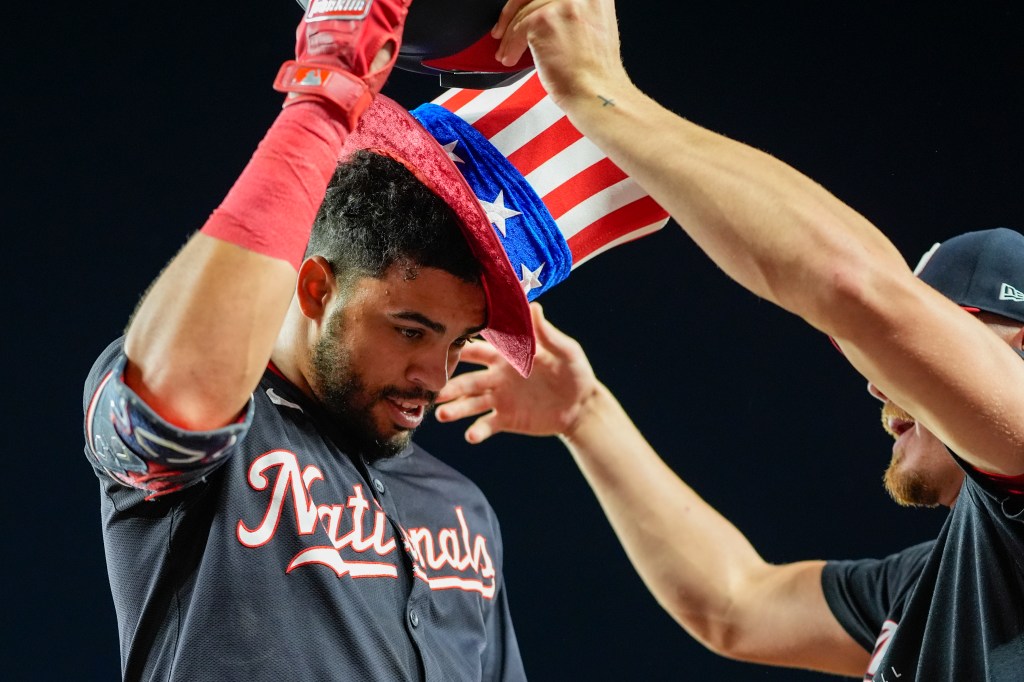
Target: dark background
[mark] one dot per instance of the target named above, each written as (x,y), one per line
(127,123)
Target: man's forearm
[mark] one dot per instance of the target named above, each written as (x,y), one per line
(692,558)
(202,335)
(772,229)
(699,566)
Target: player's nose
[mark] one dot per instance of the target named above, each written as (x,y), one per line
(429,371)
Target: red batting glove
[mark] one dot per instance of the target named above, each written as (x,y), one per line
(335,45)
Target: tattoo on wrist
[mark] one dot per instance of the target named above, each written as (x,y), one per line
(605,102)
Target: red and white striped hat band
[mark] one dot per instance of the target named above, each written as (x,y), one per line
(594,205)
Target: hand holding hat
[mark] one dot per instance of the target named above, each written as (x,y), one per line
(552,402)
(574,43)
(344,51)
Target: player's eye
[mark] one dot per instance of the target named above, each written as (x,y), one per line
(410,332)
(463,340)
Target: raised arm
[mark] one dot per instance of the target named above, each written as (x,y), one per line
(785,238)
(203,333)
(699,567)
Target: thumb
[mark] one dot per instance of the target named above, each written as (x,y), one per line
(548,335)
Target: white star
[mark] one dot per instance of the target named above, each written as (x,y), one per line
(449,149)
(497,213)
(531,278)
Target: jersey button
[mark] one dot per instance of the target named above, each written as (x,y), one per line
(414,619)
(379,485)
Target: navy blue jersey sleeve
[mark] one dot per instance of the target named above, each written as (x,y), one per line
(126,441)
(862,594)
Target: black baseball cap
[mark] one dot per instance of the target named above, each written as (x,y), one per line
(980,271)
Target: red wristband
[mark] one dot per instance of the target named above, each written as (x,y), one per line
(330,83)
(271,207)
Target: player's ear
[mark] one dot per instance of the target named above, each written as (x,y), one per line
(315,286)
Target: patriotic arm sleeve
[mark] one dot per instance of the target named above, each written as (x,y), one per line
(133,445)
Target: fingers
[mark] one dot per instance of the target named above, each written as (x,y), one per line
(508,12)
(468,384)
(482,429)
(469,398)
(480,353)
(468,406)
(542,328)
(515,34)
(548,335)
(383,58)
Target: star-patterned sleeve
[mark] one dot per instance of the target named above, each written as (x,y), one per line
(127,442)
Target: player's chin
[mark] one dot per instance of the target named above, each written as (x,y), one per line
(393,428)
(400,437)
(384,443)
(909,488)
(394,437)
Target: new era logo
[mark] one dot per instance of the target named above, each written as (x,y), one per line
(349,10)
(1008,293)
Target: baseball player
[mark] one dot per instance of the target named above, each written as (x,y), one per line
(265,514)
(943,352)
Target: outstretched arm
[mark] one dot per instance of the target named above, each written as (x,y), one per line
(202,336)
(785,238)
(699,567)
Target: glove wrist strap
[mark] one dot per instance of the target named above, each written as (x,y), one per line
(306,81)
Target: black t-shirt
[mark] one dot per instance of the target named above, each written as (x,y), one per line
(950,609)
(261,551)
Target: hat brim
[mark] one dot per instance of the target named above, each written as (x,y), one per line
(389,129)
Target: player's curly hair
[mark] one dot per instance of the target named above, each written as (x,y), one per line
(377,214)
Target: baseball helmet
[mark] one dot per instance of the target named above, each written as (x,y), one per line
(452,40)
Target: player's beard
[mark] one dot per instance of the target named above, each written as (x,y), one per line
(907,487)
(345,397)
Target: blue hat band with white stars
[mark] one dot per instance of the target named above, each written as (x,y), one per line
(534,244)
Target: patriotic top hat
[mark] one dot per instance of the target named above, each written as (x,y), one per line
(534,196)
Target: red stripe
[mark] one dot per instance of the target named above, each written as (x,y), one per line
(460,99)
(640,213)
(511,108)
(273,368)
(544,146)
(1013,485)
(581,186)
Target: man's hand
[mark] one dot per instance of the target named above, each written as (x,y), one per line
(575,44)
(550,402)
(342,57)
